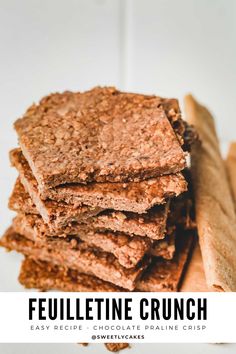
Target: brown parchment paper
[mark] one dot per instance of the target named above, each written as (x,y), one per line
(215,213)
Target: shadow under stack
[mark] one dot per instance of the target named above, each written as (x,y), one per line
(102,199)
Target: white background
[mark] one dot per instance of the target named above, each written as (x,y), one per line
(167,47)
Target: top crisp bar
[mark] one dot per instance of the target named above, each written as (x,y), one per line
(99,135)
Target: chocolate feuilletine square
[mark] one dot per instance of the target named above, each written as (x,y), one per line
(151,224)
(100,135)
(136,197)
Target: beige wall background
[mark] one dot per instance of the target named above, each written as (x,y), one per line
(166,47)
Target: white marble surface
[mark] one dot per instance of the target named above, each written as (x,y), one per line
(134,349)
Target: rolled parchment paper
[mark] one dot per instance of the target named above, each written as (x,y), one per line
(215,213)
(231,169)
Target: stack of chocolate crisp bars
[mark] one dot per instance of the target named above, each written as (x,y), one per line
(102,199)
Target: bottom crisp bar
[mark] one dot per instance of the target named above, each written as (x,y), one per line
(112,347)
(161,275)
(116,347)
(45,276)
(78,256)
